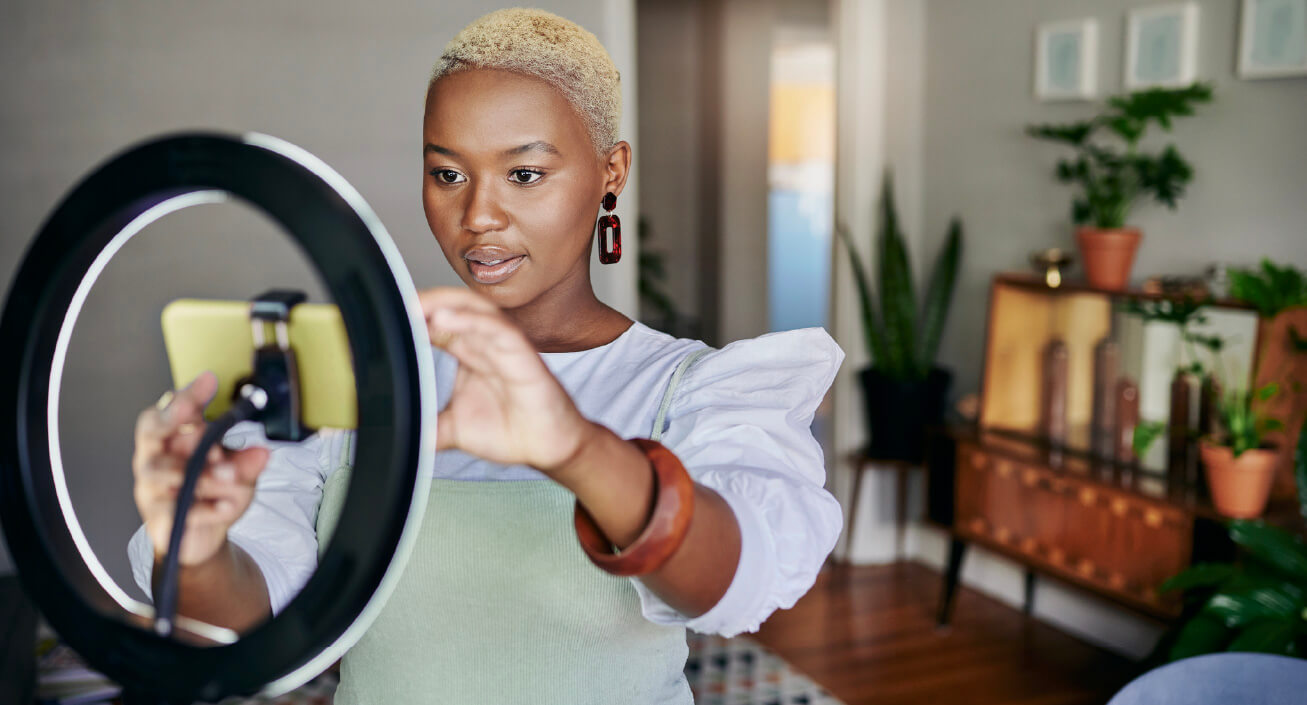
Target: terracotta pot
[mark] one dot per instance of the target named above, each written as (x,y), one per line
(1108,255)
(1240,486)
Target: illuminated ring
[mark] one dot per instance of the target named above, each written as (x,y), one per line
(393,372)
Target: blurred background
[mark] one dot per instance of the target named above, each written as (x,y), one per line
(758,127)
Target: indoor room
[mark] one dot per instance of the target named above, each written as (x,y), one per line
(953,351)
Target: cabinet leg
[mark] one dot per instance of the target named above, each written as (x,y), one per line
(1029,605)
(849,524)
(956,552)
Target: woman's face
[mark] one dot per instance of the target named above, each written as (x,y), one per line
(511,184)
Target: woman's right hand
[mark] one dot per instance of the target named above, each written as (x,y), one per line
(165,439)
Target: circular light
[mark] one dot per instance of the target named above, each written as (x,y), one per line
(395,381)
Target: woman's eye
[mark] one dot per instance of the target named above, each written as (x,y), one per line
(447,176)
(525,176)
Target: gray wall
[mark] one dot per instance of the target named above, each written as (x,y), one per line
(342,79)
(671,192)
(1248,148)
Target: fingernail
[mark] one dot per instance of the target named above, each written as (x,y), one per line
(164,405)
(224,472)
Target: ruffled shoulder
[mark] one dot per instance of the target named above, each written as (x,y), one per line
(743,393)
(802,363)
(741,423)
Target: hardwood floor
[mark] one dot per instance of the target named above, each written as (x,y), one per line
(867,634)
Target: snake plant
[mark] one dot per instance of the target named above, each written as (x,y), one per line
(902,338)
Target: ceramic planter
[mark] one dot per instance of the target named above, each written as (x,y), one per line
(1108,255)
(1239,486)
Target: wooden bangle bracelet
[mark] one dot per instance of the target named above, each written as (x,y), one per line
(673,506)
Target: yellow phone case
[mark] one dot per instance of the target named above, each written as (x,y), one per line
(202,334)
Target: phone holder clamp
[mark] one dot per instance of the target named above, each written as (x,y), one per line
(274,371)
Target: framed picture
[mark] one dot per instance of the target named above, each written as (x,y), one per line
(1161,46)
(1066,55)
(1273,39)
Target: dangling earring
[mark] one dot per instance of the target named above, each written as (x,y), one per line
(608,223)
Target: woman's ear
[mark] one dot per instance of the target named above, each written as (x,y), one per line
(617,166)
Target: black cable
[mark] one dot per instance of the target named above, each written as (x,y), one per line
(250,402)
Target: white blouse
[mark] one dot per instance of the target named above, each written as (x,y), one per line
(740,422)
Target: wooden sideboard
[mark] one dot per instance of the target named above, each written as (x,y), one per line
(1106,525)
(1116,531)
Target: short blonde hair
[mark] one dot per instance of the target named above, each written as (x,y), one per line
(541,44)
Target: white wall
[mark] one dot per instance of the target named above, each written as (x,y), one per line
(344,80)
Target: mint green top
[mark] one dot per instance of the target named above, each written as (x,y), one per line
(499,604)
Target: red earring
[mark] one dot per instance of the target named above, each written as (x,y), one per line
(609,223)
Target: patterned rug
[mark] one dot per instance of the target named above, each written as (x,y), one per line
(740,672)
(721,672)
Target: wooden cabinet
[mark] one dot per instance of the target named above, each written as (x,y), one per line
(1118,527)
(1116,542)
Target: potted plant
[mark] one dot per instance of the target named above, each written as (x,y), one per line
(1256,603)
(1240,465)
(1114,174)
(904,391)
(1238,454)
(1279,293)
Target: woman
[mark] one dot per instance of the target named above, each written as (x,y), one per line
(540,383)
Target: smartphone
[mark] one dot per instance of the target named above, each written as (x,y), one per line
(202,334)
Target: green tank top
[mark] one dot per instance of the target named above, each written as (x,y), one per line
(498,604)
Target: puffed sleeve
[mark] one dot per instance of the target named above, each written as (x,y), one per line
(278,529)
(740,422)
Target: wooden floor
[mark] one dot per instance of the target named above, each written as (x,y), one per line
(867,634)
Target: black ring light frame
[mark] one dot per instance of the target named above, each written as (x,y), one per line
(363,271)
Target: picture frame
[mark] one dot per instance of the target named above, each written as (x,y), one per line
(1066,60)
(1161,46)
(1272,39)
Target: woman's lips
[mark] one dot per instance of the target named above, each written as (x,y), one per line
(495,273)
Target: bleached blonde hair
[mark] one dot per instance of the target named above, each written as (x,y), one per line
(541,44)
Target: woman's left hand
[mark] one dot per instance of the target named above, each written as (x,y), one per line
(506,406)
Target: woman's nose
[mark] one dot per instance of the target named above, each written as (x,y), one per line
(483,213)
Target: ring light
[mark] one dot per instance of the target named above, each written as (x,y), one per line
(362,270)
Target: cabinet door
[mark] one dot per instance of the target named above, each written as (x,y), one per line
(1109,540)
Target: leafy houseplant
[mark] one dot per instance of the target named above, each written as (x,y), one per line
(1270,288)
(1241,453)
(903,389)
(1259,602)
(1240,465)
(1114,175)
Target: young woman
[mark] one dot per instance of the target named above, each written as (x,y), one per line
(541,384)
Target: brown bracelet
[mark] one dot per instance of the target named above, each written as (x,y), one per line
(673,506)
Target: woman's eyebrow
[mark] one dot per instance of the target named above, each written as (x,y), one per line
(540,145)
